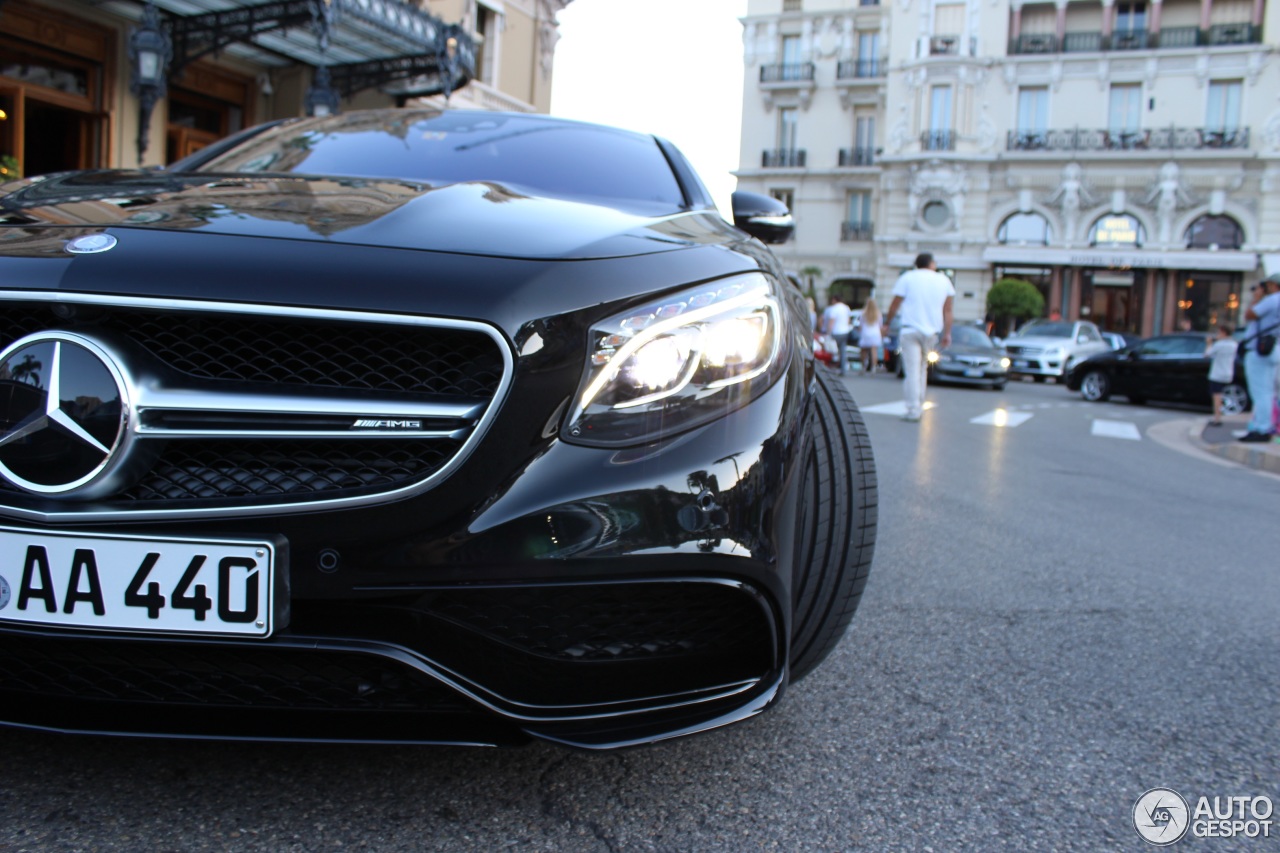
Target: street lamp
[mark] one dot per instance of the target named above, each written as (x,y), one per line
(322,99)
(150,51)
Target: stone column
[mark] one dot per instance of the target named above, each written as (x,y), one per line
(1073,299)
(1015,24)
(1108,22)
(1171,294)
(1206,7)
(1153,31)
(1258,5)
(1061,27)
(1055,290)
(1148,305)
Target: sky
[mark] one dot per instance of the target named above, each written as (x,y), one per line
(672,68)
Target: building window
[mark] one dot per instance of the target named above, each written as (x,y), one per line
(936,214)
(1215,232)
(1131,18)
(1223,113)
(1117,231)
(1125,113)
(787,119)
(868,55)
(791,50)
(792,5)
(948,28)
(1025,229)
(486,44)
(857,223)
(785,195)
(1033,110)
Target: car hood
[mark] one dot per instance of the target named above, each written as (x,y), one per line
(1039,341)
(963,349)
(479,218)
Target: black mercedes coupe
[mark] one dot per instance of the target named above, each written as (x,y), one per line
(414,426)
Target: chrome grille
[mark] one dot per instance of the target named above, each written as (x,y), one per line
(244,409)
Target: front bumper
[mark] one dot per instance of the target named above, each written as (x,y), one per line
(596,597)
(963,374)
(1032,365)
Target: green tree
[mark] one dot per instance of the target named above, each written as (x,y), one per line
(809,273)
(1012,299)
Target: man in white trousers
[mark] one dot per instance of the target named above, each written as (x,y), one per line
(925,298)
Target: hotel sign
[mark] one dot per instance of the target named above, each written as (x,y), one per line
(1142,260)
(1116,230)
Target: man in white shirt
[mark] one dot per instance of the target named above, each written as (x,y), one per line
(925,298)
(837,321)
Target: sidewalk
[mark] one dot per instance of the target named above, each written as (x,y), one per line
(1222,441)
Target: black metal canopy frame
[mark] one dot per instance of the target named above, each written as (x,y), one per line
(396,41)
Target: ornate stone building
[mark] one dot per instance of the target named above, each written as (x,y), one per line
(128,82)
(1122,156)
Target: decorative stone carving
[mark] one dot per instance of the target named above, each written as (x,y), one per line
(1070,195)
(937,181)
(1167,196)
(1271,132)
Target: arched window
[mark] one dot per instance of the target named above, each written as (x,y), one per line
(1215,232)
(1025,229)
(1117,231)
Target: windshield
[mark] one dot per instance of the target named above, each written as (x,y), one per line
(558,158)
(1046,330)
(969,336)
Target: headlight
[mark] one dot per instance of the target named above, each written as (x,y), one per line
(932,357)
(677,362)
(1005,363)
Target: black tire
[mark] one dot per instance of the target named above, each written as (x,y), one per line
(997,386)
(1039,379)
(837,519)
(1095,386)
(1137,400)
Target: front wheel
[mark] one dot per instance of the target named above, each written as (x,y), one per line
(837,521)
(1095,387)
(1235,399)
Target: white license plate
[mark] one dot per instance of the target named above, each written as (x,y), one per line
(1021,362)
(126,583)
(974,373)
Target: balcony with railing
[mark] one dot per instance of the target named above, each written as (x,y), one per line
(1076,140)
(787,72)
(938,140)
(1218,35)
(944,45)
(857,156)
(861,69)
(783,158)
(853,231)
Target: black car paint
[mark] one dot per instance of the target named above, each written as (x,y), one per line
(1180,378)
(508,515)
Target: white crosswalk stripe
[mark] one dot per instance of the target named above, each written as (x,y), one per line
(897,408)
(1116,429)
(1002,418)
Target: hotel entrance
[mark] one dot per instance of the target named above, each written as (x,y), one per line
(1112,298)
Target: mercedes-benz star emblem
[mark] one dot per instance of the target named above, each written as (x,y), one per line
(91,244)
(63,413)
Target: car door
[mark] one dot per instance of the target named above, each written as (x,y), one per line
(1143,371)
(1188,371)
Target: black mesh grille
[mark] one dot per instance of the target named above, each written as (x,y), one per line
(279,350)
(609,623)
(210,675)
(212,470)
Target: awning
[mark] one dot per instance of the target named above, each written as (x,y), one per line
(363,43)
(1222,261)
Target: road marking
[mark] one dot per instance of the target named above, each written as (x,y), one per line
(897,408)
(1002,418)
(1116,429)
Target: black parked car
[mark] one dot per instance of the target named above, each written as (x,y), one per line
(1166,367)
(414,426)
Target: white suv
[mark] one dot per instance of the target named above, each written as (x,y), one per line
(1052,347)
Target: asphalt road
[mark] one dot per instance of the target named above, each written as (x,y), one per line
(1060,616)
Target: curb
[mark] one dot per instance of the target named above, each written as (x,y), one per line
(1260,458)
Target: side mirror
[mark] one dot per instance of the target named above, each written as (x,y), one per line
(763,217)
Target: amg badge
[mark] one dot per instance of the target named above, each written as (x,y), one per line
(370,423)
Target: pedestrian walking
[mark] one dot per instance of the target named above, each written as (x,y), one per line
(1262,356)
(837,322)
(870,337)
(1222,368)
(925,297)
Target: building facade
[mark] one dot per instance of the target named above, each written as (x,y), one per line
(73,75)
(1124,157)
